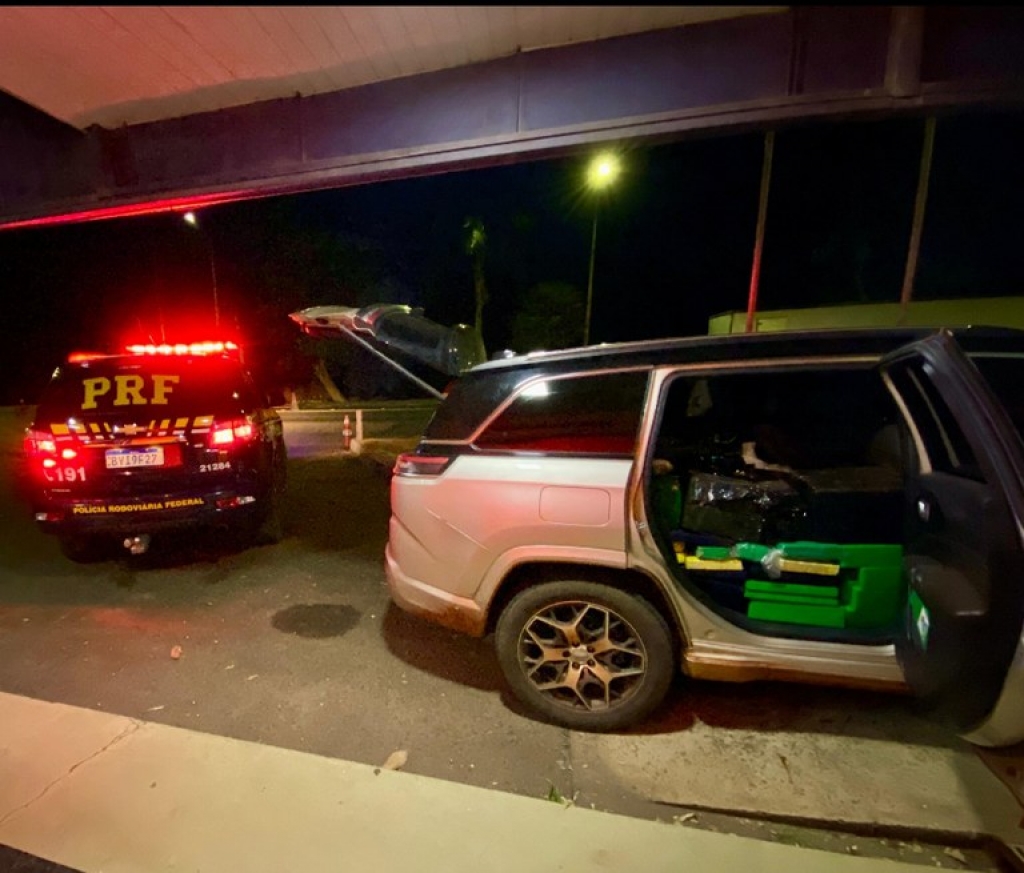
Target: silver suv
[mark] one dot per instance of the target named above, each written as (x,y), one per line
(839,507)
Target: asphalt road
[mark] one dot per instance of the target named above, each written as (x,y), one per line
(297,645)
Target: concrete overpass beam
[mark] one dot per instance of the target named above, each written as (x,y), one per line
(746,73)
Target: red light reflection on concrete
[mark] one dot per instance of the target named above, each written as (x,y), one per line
(130,210)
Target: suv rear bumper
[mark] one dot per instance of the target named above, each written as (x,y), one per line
(441,607)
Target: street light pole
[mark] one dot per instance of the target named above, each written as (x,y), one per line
(590,280)
(190,218)
(601,172)
(213,276)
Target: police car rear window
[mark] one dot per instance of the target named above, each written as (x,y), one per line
(163,386)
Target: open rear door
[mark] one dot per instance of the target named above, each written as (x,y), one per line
(964,555)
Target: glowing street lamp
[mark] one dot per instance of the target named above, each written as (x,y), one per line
(602,171)
(191,219)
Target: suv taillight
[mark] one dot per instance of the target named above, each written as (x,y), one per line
(231,433)
(410,464)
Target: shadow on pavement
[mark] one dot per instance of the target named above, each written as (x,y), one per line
(441,652)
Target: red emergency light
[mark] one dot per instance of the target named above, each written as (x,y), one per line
(82,357)
(202,348)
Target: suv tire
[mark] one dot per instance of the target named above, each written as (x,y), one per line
(584,655)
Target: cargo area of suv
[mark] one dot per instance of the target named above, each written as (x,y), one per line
(123,447)
(778,499)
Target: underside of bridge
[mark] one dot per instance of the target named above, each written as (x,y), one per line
(760,70)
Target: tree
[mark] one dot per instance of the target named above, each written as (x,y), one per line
(281,270)
(476,247)
(549,317)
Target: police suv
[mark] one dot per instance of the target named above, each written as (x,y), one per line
(159,438)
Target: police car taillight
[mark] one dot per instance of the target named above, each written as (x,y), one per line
(410,464)
(232,432)
(39,442)
(41,450)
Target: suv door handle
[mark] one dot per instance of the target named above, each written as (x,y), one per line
(924,509)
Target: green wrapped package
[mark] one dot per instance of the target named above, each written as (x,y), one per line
(667,499)
(867,591)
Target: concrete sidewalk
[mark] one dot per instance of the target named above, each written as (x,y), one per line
(98,792)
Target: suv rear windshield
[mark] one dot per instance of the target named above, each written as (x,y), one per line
(161,387)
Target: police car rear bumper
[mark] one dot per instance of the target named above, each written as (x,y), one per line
(149,513)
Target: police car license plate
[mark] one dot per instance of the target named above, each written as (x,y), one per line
(150,456)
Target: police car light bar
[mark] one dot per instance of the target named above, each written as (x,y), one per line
(82,357)
(205,348)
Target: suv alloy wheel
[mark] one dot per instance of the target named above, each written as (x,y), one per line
(585,655)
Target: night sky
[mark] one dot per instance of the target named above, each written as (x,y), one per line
(674,246)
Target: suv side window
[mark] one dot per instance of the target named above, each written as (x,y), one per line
(799,418)
(598,414)
(777,454)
